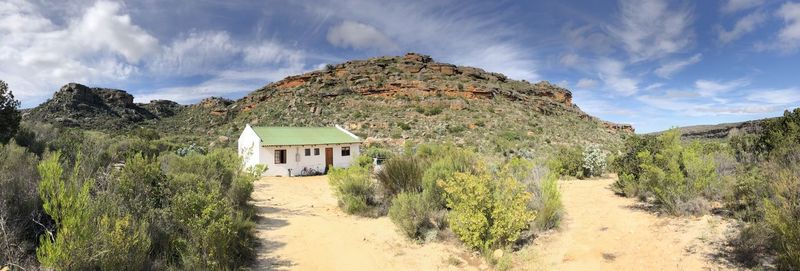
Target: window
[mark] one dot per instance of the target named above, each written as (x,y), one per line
(280,157)
(308,152)
(316,151)
(345,151)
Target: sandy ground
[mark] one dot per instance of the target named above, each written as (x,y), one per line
(300,227)
(603,231)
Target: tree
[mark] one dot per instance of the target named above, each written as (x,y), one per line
(9,113)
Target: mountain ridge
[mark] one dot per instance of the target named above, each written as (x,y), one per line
(389,99)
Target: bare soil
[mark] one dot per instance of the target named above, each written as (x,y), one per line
(301,228)
(603,231)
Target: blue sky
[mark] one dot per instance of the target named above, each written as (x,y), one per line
(652,63)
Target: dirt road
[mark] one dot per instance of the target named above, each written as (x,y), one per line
(603,231)
(301,228)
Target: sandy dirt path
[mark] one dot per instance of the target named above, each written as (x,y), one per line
(300,227)
(603,231)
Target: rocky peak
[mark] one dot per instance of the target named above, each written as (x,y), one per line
(81,106)
(416,74)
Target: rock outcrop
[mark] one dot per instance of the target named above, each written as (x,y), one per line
(76,105)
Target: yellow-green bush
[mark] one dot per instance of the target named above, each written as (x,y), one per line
(67,200)
(545,201)
(677,177)
(411,212)
(353,188)
(486,213)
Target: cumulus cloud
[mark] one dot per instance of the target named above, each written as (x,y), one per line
(742,27)
(585,83)
(650,29)
(612,72)
(349,34)
(101,45)
(789,36)
(195,54)
(669,68)
(731,6)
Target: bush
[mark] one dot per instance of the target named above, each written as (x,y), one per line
(594,161)
(19,205)
(353,188)
(9,113)
(548,203)
(751,244)
(411,212)
(67,201)
(400,174)
(486,214)
(674,175)
(568,162)
(445,167)
(543,186)
(783,217)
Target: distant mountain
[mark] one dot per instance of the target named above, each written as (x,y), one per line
(719,131)
(386,99)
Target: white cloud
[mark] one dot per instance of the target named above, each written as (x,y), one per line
(570,60)
(669,68)
(459,34)
(789,36)
(736,5)
(650,29)
(349,34)
(38,56)
(709,88)
(585,83)
(742,27)
(612,72)
(654,86)
(786,96)
(195,54)
(103,27)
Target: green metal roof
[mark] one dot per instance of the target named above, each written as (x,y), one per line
(285,136)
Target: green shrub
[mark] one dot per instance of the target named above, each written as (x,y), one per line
(549,210)
(411,212)
(67,201)
(486,213)
(400,174)
(783,217)
(543,186)
(568,162)
(19,203)
(674,176)
(124,243)
(353,189)
(463,161)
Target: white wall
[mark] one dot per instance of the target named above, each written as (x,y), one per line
(249,147)
(297,163)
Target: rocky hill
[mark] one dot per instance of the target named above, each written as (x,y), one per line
(386,99)
(76,105)
(719,131)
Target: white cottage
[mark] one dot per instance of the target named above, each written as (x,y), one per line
(293,151)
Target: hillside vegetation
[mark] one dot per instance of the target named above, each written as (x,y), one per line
(385,99)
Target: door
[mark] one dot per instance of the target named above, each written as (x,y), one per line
(328,158)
